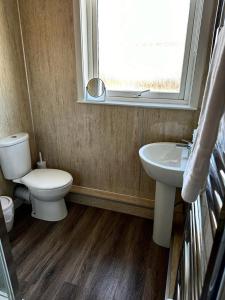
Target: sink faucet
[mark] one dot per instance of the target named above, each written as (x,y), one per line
(186,144)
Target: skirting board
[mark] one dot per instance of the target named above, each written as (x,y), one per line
(116,197)
(132,205)
(111,205)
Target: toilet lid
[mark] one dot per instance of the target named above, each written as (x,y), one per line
(46,179)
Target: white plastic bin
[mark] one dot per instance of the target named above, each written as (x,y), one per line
(8,211)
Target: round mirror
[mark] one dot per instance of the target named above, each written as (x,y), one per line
(96,87)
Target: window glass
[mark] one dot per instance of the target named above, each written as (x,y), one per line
(141,44)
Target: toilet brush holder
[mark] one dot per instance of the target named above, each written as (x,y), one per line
(41,164)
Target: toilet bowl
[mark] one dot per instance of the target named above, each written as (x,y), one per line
(47,190)
(47,187)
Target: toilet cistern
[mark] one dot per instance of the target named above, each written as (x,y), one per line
(165,162)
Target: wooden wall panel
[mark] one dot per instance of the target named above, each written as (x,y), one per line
(14,102)
(97,144)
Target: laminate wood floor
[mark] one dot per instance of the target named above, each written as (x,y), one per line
(93,254)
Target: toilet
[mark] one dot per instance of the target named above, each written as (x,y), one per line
(47,187)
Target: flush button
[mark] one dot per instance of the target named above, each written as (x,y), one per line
(14,136)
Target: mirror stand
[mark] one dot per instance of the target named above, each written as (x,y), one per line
(98,99)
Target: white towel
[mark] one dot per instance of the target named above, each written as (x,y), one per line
(213,108)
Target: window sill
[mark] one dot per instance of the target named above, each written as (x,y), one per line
(179,105)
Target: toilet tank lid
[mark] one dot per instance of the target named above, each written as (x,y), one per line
(13,139)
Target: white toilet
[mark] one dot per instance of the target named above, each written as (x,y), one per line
(47,187)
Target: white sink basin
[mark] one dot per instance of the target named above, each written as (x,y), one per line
(165,162)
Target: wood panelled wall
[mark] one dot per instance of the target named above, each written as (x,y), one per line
(14,101)
(97,144)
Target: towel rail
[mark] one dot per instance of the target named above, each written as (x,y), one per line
(202,261)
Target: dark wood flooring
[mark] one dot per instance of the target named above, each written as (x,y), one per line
(93,254)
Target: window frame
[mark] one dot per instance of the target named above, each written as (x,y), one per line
(193,66)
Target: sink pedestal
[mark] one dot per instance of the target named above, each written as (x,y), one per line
(163,214)
(166,163)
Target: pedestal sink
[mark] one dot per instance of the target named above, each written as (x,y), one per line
(165,162)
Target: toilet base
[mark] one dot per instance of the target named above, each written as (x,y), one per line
(49,211)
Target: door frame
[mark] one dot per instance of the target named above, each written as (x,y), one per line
(8,257)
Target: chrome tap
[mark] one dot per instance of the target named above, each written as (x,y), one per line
(186,144)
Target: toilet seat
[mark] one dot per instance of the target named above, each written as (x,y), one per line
(46,179)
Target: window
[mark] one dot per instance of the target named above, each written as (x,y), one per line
(144,50)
